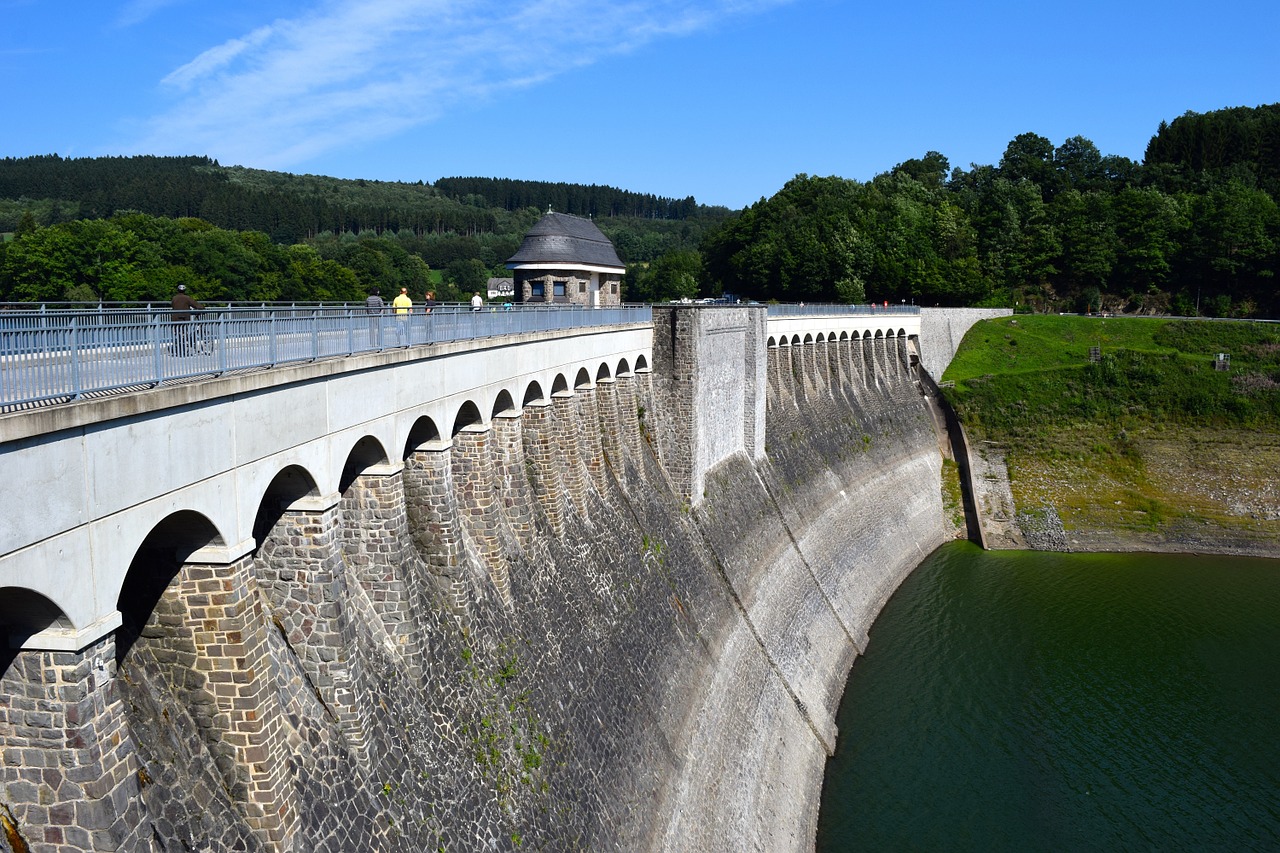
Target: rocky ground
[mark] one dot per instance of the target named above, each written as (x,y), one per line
(1197,490)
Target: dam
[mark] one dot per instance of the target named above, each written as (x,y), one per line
(563,589)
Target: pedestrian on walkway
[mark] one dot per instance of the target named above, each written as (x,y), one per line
(373,306)
(403,306)
(184,331)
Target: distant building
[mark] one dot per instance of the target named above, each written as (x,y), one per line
(501,289)
(566,260)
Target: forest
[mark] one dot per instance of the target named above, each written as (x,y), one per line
(1192,229)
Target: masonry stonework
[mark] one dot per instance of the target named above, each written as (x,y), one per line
(616,620)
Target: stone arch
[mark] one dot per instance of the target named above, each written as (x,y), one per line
(821,339)
(468,415)
(866,335)
(844,336)
(642,363)
(424,429)
(879,333)
(502,403)
(289,486)
(154,566)
(773,342)
(560,385)
(603,373)
(624,368)
(366,453)
(902,333)
(532,394)
(795,340)
(582,381)
(24,612)
(808,339)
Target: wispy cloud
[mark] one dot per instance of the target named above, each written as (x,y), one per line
(353,72)
(137,11)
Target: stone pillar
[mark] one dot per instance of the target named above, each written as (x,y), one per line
(780,375)
(818,372)
(374,535)
(883,366)
(432,509)
(867,354)
(588,429)
(611,442)
(473,480)
(844,367)
(511,481)
(629,420)
(828,363)
(540,449)
(795,373)
(68,770)
(229,628)
(570,457)
(301,569)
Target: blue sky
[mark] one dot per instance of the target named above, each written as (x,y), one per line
(724,100)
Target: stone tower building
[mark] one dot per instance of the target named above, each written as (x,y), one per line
(566,260)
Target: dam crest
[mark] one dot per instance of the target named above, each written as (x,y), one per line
(556,591)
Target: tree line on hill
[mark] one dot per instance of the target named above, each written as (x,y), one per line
(1194,228)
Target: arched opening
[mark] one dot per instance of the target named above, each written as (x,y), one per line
(603,373)
(532,394)
(468,415)
(866,335)
(624,369)
(154,566)
(795,340)
(24,613)
(503,404)
(424,430)
(560,385)
(642,363)
(773,342)
(288,487)
(582,381)
(366,453)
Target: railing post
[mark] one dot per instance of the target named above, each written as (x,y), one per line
(75,360)
(222,342)
(157,349)
(315,334)
(271,337)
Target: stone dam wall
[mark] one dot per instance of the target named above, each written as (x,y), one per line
(530,635)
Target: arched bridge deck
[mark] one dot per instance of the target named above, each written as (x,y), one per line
(193,462)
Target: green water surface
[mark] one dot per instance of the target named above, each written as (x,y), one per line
(1034,701)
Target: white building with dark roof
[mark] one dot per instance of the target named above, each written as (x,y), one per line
(566,260)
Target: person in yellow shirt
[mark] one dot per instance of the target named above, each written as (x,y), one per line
(403,305)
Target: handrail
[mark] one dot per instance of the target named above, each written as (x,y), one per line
(53,355)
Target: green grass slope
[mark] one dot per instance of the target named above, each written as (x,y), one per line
(1148,446)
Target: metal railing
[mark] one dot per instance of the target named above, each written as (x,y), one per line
(55,355)
(825,310)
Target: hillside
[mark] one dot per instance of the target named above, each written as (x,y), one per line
(1148,447)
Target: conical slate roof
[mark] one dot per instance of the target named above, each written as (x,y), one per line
(565,240)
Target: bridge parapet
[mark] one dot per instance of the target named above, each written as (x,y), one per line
(100,475)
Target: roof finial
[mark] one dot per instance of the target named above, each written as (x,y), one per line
(548,208)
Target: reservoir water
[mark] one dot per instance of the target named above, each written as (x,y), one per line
(1035,701)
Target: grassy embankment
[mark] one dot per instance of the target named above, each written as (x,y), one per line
(1151,446)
